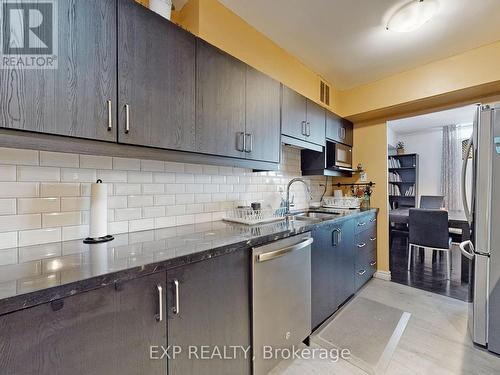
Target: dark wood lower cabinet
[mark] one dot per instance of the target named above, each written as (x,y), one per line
(209,308)
(104,331)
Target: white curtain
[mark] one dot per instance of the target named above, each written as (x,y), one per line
(450,167)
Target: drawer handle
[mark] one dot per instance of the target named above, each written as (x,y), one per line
(361,224)
(360,245)
(159,316)
(373,263)
(362,272)
(373,220)
(373,238)
(176,308)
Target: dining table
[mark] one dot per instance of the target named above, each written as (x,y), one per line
(456,220)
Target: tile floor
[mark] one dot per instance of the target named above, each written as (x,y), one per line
(435,341)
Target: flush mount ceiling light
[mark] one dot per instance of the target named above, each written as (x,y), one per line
(412,15)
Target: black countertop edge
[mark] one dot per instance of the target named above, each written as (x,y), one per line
(30,299)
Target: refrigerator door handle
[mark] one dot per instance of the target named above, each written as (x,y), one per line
(466,253)
(467,209)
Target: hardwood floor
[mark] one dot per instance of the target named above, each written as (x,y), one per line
(435,341)
(427,273)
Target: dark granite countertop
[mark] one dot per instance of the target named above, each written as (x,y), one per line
(38,274)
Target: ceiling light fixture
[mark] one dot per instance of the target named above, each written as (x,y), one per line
(412,15)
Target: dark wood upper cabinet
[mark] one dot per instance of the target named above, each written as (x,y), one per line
(156,80)
(262,117)
(316,121)
(339,129)
(220,102)
(209,304)
(73,99)
(104,331)
(293,112)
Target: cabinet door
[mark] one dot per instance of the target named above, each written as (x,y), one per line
(262,117)
(345,259)
(316,121)
(293,114)
(213,309)
(98,332)
(220,102)
(333,127)
(347,132)
(156,70)
(71,100)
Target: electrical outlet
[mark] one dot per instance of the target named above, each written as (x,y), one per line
(363,177)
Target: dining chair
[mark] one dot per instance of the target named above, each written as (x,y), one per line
(432,201)
(428,229)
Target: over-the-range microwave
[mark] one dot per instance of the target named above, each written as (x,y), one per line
(338,156)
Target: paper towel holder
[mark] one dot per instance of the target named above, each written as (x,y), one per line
(90,240)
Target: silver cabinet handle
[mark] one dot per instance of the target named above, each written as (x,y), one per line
(336,236)
(308,129)
(373,238)
(176,308)
(361,245)
(110,116)
(250,138)
(362,272)
(340,133)
(240,140)
(373,263)
(373,220)
(361,224)
(278,253)
(304,128)
(127,118)
(159,316)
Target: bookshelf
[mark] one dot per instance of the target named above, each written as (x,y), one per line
(403,180)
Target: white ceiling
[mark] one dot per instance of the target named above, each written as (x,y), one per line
(455,116)
(346,40)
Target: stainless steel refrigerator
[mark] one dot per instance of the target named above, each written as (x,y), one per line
(483,212)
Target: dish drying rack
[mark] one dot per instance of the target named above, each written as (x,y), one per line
(249,216)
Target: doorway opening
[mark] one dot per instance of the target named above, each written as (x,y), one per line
(426,212)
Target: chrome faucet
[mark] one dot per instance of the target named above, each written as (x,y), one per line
(297,179)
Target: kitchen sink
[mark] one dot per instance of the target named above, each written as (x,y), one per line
(315,216)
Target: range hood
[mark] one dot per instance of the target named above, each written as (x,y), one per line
(300,144)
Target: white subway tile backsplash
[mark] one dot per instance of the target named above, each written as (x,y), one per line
(140,200)
(8,206)
(8,256)
(39,236)
(60,190)
(122,214)
(152,165)
(7,172)
(164,178)
(143,224)
(153,188)
(9,223)
(8,240)
(126,164)
(59,159)
(45,196)
(140,177)
(96,162)
(127,189)
(108,176)
(35,252)
(78,175)
(18,156)
(75,203)
(38,205)
(61,219)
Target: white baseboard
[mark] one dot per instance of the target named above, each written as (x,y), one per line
(383,275)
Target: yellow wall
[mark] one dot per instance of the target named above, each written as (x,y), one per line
(472,68)
(216,24)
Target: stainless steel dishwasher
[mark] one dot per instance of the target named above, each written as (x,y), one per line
(281,279)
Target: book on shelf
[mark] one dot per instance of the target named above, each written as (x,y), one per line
(394,163)
(394,177)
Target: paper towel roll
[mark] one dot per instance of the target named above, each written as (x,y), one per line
(99,258)
(98,210)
